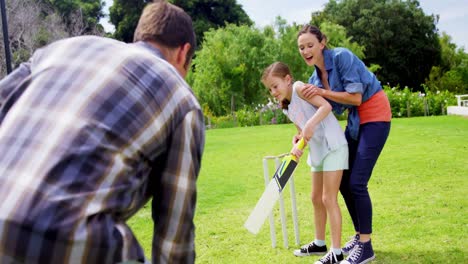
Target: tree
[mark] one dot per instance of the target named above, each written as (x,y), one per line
(282,40)
(229,65)
(228,68)
(30,28)
(209,14)
(205,14)
(451,56)
(452,72)
(33,24)
(124,16)
(80,16)
(397,35)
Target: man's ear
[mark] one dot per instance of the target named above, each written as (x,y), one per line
(182,54)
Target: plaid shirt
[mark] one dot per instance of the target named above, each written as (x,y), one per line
(90,130)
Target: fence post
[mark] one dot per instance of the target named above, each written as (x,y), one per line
(408,110)
(6,40)
(426,107)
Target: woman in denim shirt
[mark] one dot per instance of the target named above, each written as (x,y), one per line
(343,79)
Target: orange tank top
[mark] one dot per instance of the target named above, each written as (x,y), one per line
(375,109)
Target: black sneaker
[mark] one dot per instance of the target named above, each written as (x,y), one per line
(362,253)
(330,258)
(350,245)
(310,249)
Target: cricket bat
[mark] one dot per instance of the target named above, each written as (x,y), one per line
(271,194)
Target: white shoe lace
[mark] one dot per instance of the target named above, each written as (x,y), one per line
(306,247)
(351,243)
(329,256)
(356,252)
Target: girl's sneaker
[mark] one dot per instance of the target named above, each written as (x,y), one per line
(310,249)
(348,247)
(362,253)
(330,258)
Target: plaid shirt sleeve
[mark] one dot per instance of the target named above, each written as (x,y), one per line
(174,207)
(13,80)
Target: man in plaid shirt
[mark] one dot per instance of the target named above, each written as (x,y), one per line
(90,130)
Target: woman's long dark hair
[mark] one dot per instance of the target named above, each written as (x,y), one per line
(312,30)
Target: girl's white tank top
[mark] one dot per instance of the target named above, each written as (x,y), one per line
(328,135)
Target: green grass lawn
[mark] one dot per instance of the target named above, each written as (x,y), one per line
(418,189)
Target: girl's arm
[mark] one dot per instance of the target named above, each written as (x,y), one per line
(308,91)
(297,136)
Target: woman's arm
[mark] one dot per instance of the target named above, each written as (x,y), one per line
(308,91)
(323,109)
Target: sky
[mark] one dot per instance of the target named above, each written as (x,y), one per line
(453,14)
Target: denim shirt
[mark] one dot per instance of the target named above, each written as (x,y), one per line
(347,73)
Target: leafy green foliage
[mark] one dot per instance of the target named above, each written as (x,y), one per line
(245,117)
(397,35)
(282,44)
(338,37)
(229,66)
(451,56)
(205,14)
(269,114)
(405,103)
(209,14)
(90,11)
(452,73)
(124,15)
(228,69)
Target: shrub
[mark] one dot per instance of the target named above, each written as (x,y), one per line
(246,117)
(405,103)
(223,122)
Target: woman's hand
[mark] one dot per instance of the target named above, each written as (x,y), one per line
(309,90)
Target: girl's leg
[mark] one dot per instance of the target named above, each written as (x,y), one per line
(320,213)
(331,185)
(317,246)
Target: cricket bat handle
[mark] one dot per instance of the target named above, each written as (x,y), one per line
(300,145)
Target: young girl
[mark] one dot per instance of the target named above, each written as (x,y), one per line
(328,155)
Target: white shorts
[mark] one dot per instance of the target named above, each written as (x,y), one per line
(334,161)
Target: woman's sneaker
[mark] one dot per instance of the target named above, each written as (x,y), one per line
(348,247)
(310,249)
(362,253)
(330,258)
